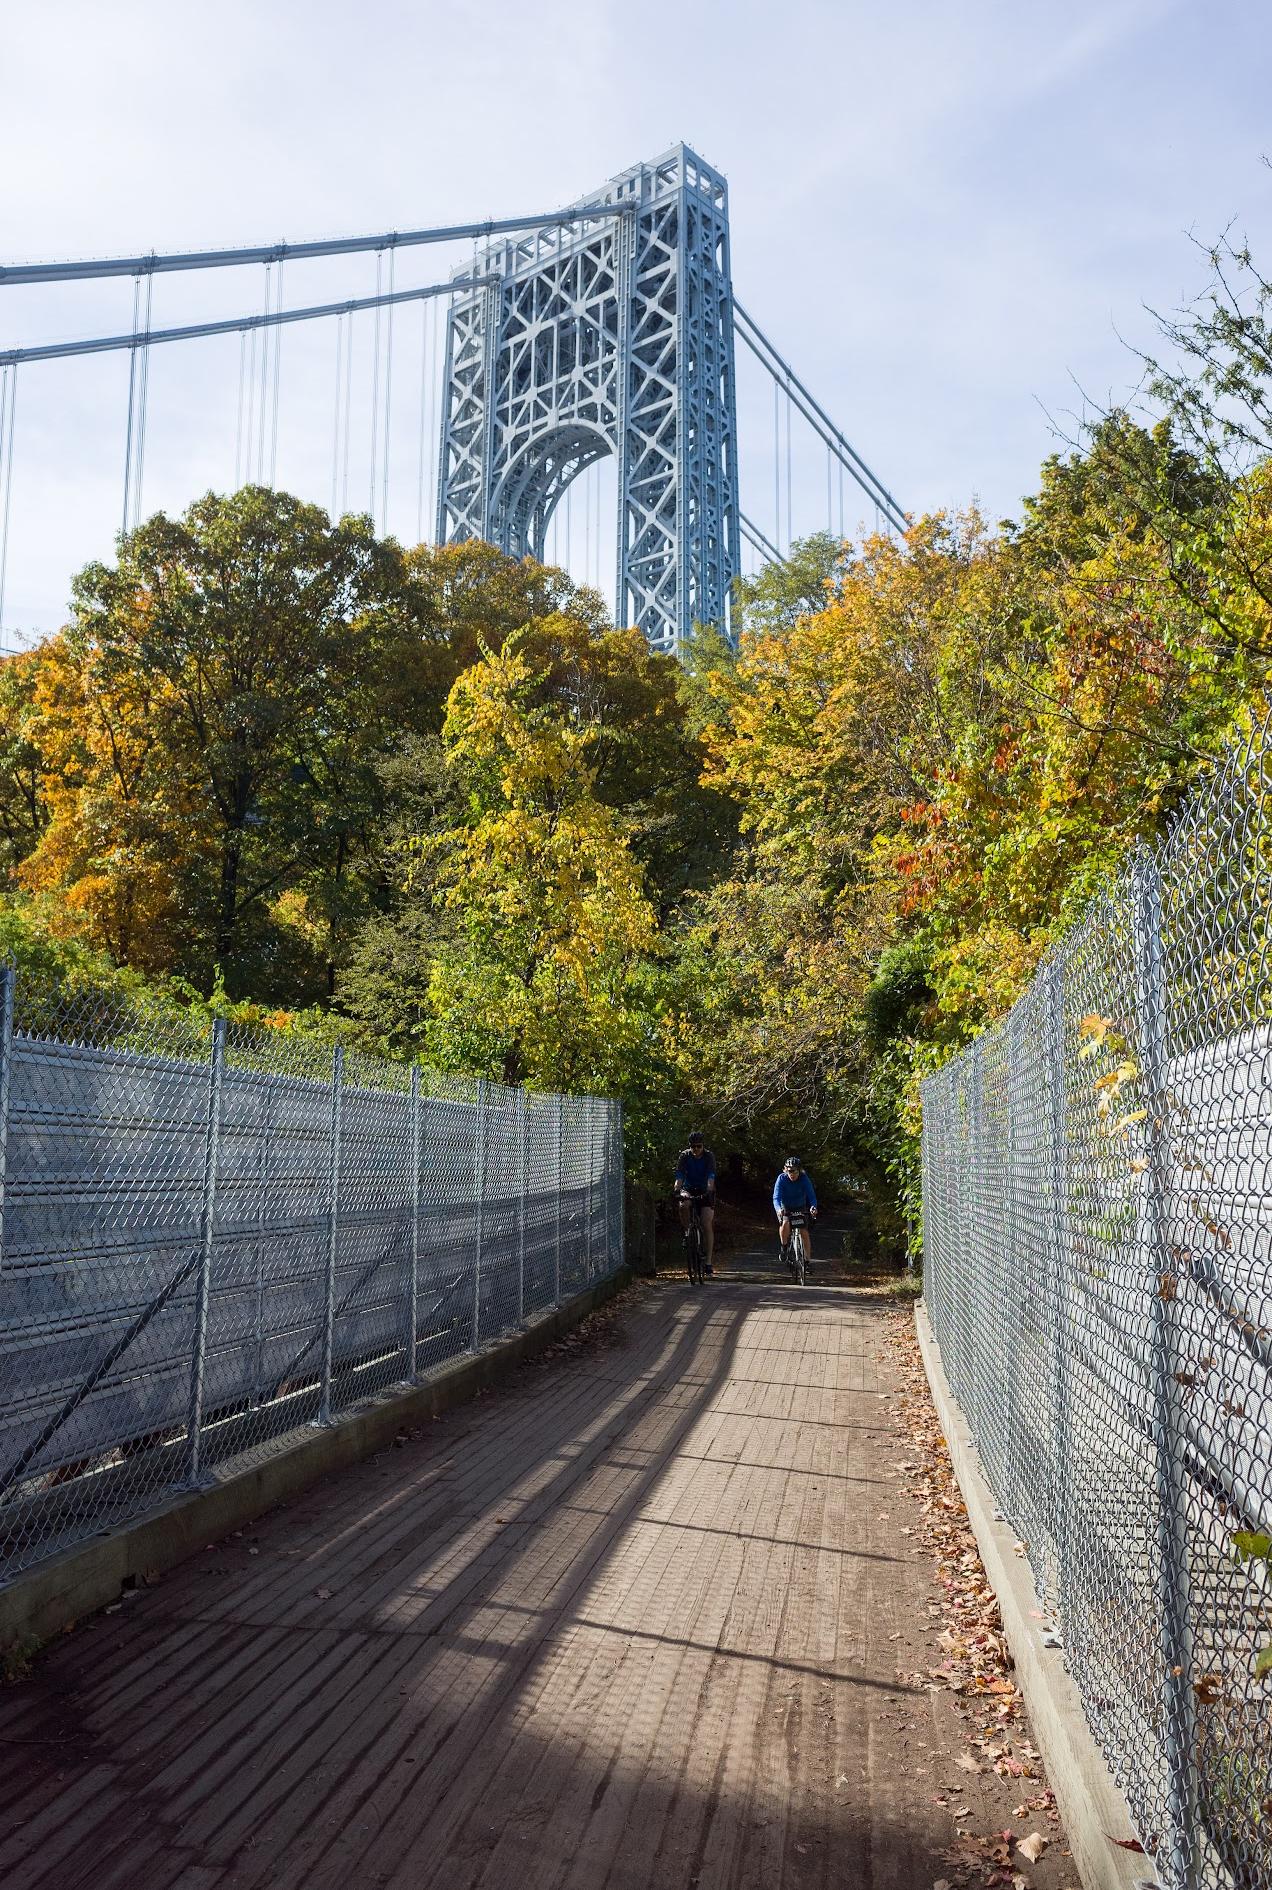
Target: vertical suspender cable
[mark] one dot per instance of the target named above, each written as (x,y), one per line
(132,407)
(840,464)
(335,424)
(388,400)
(249,406)
(790,483)
(830,505)
(424,411)
(777,466)
(375,381)
(239,480)
(436,396)
(264,387)
(348,414)
(143,388)
(278,346)
(8,413)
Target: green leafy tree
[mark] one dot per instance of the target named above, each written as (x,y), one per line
(798,586)
(216,689)
(23,811)
(541,977)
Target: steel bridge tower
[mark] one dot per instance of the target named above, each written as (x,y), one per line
(613,334)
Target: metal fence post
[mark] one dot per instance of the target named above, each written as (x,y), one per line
(7,978)
(591,1182)
(479,1188)
(1061,1439)
(972,1272)
(413,1284)
(203,1281)
(262,1196)
(333,1223)
(1172,1561)
(560,1184)
(522,1128)
(620,1162)
(1011,1285)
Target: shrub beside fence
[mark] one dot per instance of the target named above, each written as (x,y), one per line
(1097,1191)
(212,1236)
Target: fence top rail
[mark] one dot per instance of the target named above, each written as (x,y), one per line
(279,1060)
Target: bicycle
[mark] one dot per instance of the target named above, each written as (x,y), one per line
(695,1242)
(793,1256)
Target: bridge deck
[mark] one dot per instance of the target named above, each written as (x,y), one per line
(636,1620)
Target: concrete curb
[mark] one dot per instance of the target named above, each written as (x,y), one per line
(1091,1807)
(89,1576)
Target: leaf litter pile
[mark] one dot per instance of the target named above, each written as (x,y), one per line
(974,1666)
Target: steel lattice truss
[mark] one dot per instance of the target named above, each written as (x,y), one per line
(614,335)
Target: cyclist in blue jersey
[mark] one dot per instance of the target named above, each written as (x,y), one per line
(794,1190)
(696,1176)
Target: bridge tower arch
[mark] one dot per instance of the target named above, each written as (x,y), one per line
(613,334)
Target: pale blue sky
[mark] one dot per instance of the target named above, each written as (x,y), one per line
(946,215)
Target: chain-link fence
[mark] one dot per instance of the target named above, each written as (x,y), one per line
(210,1236)
(1098,1225)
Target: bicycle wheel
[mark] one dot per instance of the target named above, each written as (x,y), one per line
(799,1257)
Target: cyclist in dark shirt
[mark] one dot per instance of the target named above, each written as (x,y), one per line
(696,1176)
(794,1189)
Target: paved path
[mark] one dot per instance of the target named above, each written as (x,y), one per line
(634,1621)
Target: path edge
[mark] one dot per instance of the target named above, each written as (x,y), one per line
(1092,1810)
(51,1597)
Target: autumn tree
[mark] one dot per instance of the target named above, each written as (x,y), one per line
(23,812)
(207,736)
(550,928)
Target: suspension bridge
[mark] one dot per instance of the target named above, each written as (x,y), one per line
(580,364)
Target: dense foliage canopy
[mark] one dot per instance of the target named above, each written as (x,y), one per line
(433,797)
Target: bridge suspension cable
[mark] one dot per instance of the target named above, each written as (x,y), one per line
(758,540)
(234,324)
(8,414)
(388,402)
(135,439)
(12,274)
(278,347)
(817,417)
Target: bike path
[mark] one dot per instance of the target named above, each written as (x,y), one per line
(642,1618)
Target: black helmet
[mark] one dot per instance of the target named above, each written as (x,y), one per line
(696,1135)
(793,1161)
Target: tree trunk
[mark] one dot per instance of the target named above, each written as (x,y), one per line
(227,904)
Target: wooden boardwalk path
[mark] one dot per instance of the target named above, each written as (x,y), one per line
(634,1621)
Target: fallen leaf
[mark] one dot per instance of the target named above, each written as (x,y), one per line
(1033,1846)
(1125,1844)
(323,1594)
(966,1763)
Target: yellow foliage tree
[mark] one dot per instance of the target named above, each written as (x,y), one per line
(550,919)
